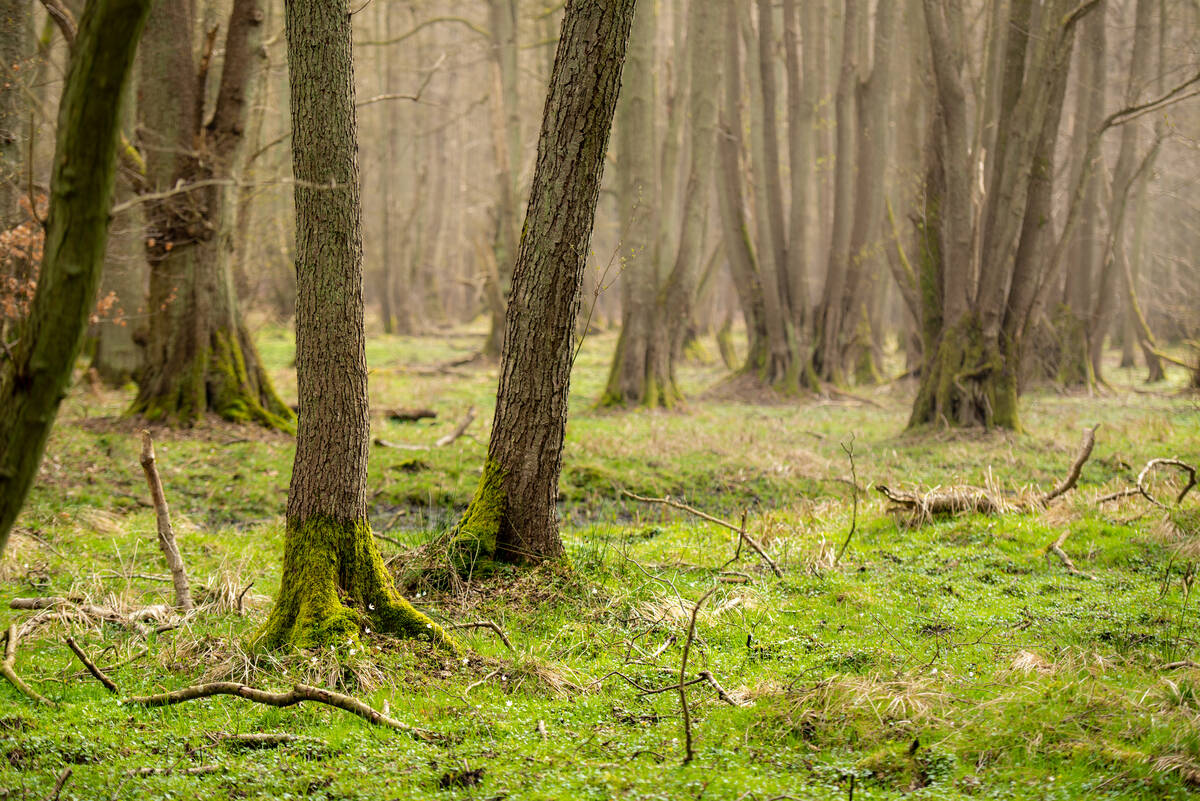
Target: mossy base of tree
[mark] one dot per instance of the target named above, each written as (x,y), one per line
(1071,366)
(471,548)
(218,381)
(967,382)
(336,588)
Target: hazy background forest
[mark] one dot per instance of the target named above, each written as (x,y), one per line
(819,522)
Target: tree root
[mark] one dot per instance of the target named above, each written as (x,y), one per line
(8,668)
(298,693)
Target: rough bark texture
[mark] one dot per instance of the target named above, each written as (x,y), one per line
(513,516)
(14,24)
(199,355)
(34,379)
(334,585)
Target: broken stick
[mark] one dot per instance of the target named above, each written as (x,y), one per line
(100,675)
(459,430)
(166,535)
(740,531)
(8,668)
(484,624)
(1085,451)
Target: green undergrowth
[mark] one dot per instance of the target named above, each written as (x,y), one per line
(950,660)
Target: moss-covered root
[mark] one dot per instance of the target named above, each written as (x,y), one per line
(335,588)
(473,541)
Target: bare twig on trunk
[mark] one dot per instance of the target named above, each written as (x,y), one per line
(1085,451)
(485,624)
(100,675)
(8,668)
(298,693)
(740,531)
(166,535)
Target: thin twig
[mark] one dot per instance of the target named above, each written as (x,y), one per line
(166,535)
(459,430)
(101,677)
(741,532)
(1184,466)
(63,777)
(687,647)
(849,451)
(8,668)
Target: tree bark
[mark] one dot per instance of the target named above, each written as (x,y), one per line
(199,355)
(513,516)
(35,376)
(334,585)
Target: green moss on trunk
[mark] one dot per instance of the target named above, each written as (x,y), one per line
(968,382)
(335,587)
(473,541)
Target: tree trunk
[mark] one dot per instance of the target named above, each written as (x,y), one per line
(513,516)
(801,115)
(14,49)
(199,355)
(334,584)
(34,379)
(631,377)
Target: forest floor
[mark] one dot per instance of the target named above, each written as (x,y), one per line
(946,658)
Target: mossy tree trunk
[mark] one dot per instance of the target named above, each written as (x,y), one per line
(980,277)
(34,379)
(199,355)
(513,516)
(334,585)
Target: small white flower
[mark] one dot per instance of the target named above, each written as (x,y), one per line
(371,607)
(366,630)
(466,660)
(934,671)
(509,703)
(504,678)
(428,625)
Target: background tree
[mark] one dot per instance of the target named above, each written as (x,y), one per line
(36,370)
(199,355)
(514,516)
(334,583)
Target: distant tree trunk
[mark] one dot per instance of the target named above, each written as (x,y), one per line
(1124,174)
(35,376)
(982,297)
(383,18)
(830,317)
(334,585)
(513,516)
(801,116)
(14,48)
(506,147)
(1074,368)
(638,349)
(772,185)
(199,355)
(118,356)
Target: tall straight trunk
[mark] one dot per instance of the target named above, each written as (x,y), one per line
(801,115)
(1105,304)
(35,376)
(513,516)
(633,367)
(334,585)
(14,49)
(387,128)
(827,356)
(767,354)
(772,185)
(1074,368)
(199,355)
(506,148)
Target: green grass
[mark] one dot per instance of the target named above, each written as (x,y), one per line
(951,660)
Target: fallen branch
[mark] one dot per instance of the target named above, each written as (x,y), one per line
(102,613)
(410,415)
(63,776)
(261,740)
(1125,493)
(485,624)
(740,531)
(8,668)
(952,500)
(849,450)
(101,677)
(1085,451)
(459,430)
(298,693)
(166,535)
(1056,548)
(1184,466)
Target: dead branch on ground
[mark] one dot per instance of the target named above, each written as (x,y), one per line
(687,647)
(100,675)
(442,442)
(485,624)
(740,531)
(1085,451)
(1056,548)
(298,693)
(166,535)
(63,777)
(410,415)
(261,740)
(1153,463)
(849,451)
(8,668)
(942,501)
